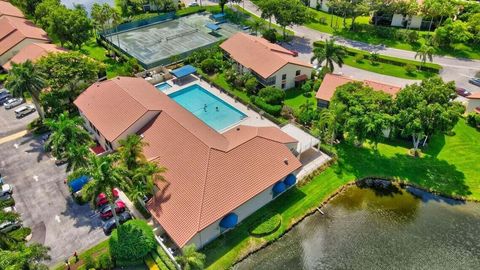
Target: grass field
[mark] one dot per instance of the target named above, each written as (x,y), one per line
(97,52)
(450,165)
(323,21)
(294,98)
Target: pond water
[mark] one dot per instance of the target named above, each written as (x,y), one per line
(380,228)
(87,3)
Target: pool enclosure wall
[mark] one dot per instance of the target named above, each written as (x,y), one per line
(214,230)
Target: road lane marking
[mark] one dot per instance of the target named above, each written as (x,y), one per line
(13,136)
(57,218)
(15,145)
(35,177)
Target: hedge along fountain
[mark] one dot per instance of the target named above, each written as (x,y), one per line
(383,227)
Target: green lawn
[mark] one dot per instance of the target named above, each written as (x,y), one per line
(450,165)
(323,21)
(92,49)
(294,98)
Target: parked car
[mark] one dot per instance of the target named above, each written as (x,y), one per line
(106,211)
(24,110)
(462,92)
(6,190)
(9,209)
(102,198)
(12,103)
(111,224)
(9,226)
(193,4)
(4,92)
(475,81)
(4,98)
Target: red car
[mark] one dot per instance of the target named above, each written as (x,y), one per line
(106,211)
(462,92)
(102,198)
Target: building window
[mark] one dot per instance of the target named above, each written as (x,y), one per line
(283,85)
(284,76)
(297,72)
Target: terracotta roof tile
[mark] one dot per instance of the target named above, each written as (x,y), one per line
(208,174)
(14,30)
(474,95)
(33,52)
(258,54)
(331,82)
(7,9)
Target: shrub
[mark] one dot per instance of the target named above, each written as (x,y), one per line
(412,36)
(271,109)
(286,112)
(90,262)
(270,35)
(266,225)
(132,241)
(272,95)
(159,261)
(163,255)
(210,65)
(307,87)
(410,69)
(20,234)
(473,119)
(359,58)
(105,262)
(142,209)
(251,85)
(374,57)
(316,85)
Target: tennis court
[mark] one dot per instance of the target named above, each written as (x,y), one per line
(163,42)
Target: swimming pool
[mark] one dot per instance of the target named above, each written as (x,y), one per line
(163,86)
(210,109)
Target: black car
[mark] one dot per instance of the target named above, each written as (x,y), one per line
(4,98)
(475,81)
(110,224)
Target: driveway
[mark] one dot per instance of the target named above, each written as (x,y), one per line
(10,125)
(44,202)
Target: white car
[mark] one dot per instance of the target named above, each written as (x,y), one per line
(13,102)
(24,110)
(6,190)
(9,226)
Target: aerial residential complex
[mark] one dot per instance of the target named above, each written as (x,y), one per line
(214,180)
(272,64)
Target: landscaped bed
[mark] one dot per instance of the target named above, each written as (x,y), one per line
(449,166)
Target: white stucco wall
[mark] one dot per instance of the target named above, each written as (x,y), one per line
(213,230)
(397,20)
(322,3)
(290,70)
(15,49)
(416,22)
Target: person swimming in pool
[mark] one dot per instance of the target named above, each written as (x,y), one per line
(205,107)
(216,108)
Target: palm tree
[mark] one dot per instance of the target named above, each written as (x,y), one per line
(425,52)
(131,151)
(76,156)
(330,53)
(65,130)
(104,175)
(328,123)
(26,257)
(306,107)
(256,25)
(191,259)
(6,240)
(144,178)
(26,78)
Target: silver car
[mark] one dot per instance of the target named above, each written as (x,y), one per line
(12,103)
(24,110)
(9,226)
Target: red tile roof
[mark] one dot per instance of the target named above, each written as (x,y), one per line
(259,55)
(14,30)
(331,82)
(33,52)
(7,9)
(208,174)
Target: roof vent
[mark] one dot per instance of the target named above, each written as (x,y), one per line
(238,128)
(118,78)
(285,161)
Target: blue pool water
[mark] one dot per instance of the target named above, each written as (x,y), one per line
(194,98)
(163,86)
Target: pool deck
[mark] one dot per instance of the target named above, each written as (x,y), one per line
(252,119)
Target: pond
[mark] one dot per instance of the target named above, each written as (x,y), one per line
(382,227)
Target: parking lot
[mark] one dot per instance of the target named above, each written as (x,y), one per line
(43,199)
(10,125)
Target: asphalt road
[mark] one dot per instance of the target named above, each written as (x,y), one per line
(44,202)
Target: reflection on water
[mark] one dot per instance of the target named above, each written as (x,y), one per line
(385,227)
(86,3)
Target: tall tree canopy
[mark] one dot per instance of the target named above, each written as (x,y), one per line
(365,112)
(424,109)
(288,13)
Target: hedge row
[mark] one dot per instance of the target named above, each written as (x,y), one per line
(151,263)
(158,261)
(163,255)
(429,67)
(268,108)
